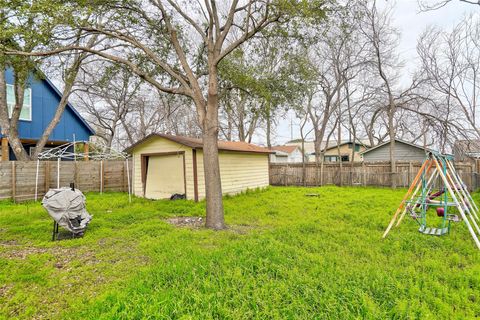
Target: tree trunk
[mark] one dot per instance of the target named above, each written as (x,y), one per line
(391,131)
(213,185)
(340,164)
(269,129)
(4,125)
(12,134)
(317,148)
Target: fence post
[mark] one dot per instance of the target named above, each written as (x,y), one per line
(101,176)
(472,170)
(75,173)
(14,180)
(410,171)
(364,174)
(285,175)
(47,176)
(124,175)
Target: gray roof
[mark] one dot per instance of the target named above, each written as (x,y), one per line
(397,140)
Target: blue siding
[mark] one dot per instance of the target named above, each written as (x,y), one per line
(45,99)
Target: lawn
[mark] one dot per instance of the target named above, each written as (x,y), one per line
(284,256)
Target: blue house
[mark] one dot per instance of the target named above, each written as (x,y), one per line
(40,103)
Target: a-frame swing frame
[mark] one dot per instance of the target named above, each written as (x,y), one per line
(438,167)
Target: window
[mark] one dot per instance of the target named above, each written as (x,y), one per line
(330,158)
(26,112)
(357,146)
(345,158)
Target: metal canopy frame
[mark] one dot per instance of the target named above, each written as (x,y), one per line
(97,152)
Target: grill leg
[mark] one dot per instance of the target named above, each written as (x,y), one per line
(55,230)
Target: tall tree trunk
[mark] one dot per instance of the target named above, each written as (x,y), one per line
(317,146)
(211,165)
(269,129)
(391,131)
(4,125)
(340,164)
(13,137)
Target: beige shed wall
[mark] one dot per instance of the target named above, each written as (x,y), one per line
(238,172)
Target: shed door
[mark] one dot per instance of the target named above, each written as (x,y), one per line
(165,176)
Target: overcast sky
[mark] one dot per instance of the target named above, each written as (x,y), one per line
(411,23)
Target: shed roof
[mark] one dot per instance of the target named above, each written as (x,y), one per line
(195,143)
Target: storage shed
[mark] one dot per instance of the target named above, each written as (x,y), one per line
(164,165)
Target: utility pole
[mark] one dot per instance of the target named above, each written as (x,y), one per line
(291,129)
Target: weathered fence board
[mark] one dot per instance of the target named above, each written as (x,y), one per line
(358,174)
(18,178)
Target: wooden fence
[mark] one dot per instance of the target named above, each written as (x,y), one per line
(18,178)
(360,174)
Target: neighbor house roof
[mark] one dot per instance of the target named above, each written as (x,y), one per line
(286,149)
(396,140)
(468,146)
(44,77)
(333,144)
(196,143)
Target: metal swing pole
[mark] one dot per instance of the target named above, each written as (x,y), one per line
(472,203)
(402,203)
(58,173)
(465,205)
(432,178)
(460,209)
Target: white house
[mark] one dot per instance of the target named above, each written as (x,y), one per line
(286,154)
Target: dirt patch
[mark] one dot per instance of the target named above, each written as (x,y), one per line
(241,229)
(192,222)
(4,290)
(23,252)
(9,243)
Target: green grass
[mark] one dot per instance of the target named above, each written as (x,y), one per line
(285,256)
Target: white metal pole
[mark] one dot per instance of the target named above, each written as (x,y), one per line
(128,183)
(460,209)
(36,180)
(74,152)
(473,205)
(58,173)
(101,176)
(468,208)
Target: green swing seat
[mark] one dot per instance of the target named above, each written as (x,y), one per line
(433,231)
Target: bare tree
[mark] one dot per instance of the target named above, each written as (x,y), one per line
(429,5)
(181,45)
(450,63)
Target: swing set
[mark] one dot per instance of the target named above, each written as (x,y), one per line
(438,186)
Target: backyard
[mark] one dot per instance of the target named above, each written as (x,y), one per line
(285,255)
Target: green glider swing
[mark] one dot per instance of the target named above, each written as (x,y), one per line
(438,185)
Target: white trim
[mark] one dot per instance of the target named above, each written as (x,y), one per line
(30,102)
